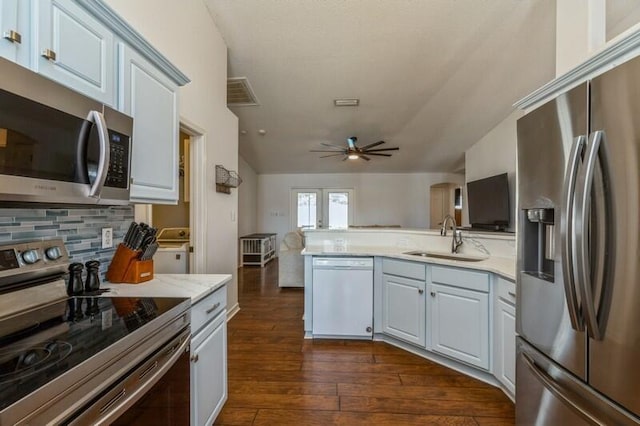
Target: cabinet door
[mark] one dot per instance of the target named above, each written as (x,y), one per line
(152,100)
(12,33)
(74,49)
(505,345)
(404,309)
(460,324)
(209,375)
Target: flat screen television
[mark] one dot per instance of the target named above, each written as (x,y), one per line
(488,202)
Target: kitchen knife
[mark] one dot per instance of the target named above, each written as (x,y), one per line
(149,251)
(127,237)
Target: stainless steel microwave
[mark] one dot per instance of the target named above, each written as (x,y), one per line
(58,146)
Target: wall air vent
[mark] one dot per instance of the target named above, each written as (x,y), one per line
(240,93)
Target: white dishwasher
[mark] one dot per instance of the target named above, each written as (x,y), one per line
(342,297)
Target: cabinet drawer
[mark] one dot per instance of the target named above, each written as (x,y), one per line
(401,268)
(464,278)
(506,290)
(208,308)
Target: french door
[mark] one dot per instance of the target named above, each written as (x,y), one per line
(316,208)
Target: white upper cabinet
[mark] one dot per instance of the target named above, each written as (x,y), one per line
(14,30)
(74,49)
(152,100)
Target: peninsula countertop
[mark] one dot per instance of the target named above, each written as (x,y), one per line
(194,286)
(504,266)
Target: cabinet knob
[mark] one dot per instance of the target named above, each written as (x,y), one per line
(49,54)
(420,291)
(194,358)
(13,36)
(512,294)
(433,294)
(369,329)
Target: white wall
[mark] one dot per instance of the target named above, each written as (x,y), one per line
(247,199)
(380,198)
(580,31)
(185,33)
(494,154)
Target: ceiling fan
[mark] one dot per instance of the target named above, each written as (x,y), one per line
(353,152)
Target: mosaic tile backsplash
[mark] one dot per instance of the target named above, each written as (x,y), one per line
(79,228)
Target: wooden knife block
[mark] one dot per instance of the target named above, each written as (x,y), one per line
(125,267)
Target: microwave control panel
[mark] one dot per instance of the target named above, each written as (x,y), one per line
(118,173)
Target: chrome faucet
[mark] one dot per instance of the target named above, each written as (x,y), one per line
(456,242)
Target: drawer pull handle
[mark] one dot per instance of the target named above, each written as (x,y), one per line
(13,36)
(512,294)
(213,308)
(49,54)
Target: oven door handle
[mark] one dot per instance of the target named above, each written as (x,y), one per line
(143,385)
(97,118)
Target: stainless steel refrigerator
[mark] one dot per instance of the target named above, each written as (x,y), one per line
(578,271)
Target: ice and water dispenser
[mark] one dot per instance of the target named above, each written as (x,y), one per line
(539,243)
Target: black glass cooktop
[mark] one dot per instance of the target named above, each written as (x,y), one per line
(40,345)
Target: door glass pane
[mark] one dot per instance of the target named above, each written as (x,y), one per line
(338,210)
(307,209)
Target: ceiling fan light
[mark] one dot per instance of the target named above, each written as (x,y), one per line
(353,156)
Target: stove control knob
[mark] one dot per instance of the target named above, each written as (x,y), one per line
(53,253)
(30,256)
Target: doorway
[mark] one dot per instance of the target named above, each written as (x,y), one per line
(321,208)
(445,199)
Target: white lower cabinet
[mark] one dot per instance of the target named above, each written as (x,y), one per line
(505,345)
(460,324)
(504,341)
(404,308)
(209,372)
(208,357)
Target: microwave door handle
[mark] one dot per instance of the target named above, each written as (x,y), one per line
(97,118)
(582,235)
(567,233)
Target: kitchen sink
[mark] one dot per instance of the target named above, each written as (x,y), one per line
(448,256)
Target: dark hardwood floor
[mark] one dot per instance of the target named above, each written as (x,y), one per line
(278,378)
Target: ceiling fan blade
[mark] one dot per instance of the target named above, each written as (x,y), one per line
(331,155)
(327,150)
(383,149)
(332,145)
(381,155)
(371,145)
(364,157)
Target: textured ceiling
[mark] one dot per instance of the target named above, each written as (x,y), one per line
(432,76)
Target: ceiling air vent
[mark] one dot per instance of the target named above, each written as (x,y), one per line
(239,92)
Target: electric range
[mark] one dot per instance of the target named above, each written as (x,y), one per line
(60,354)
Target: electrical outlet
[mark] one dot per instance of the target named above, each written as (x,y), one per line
(107,237)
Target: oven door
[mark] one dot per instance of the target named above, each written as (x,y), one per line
(155,392)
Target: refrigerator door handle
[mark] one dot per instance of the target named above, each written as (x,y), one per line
(567,233)
(583,264)
(556,389)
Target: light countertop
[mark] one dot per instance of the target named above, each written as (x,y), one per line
(504,266)
(195,286)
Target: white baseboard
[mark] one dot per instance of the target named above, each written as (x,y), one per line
(232,311)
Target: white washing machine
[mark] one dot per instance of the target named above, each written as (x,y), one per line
(172,256)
